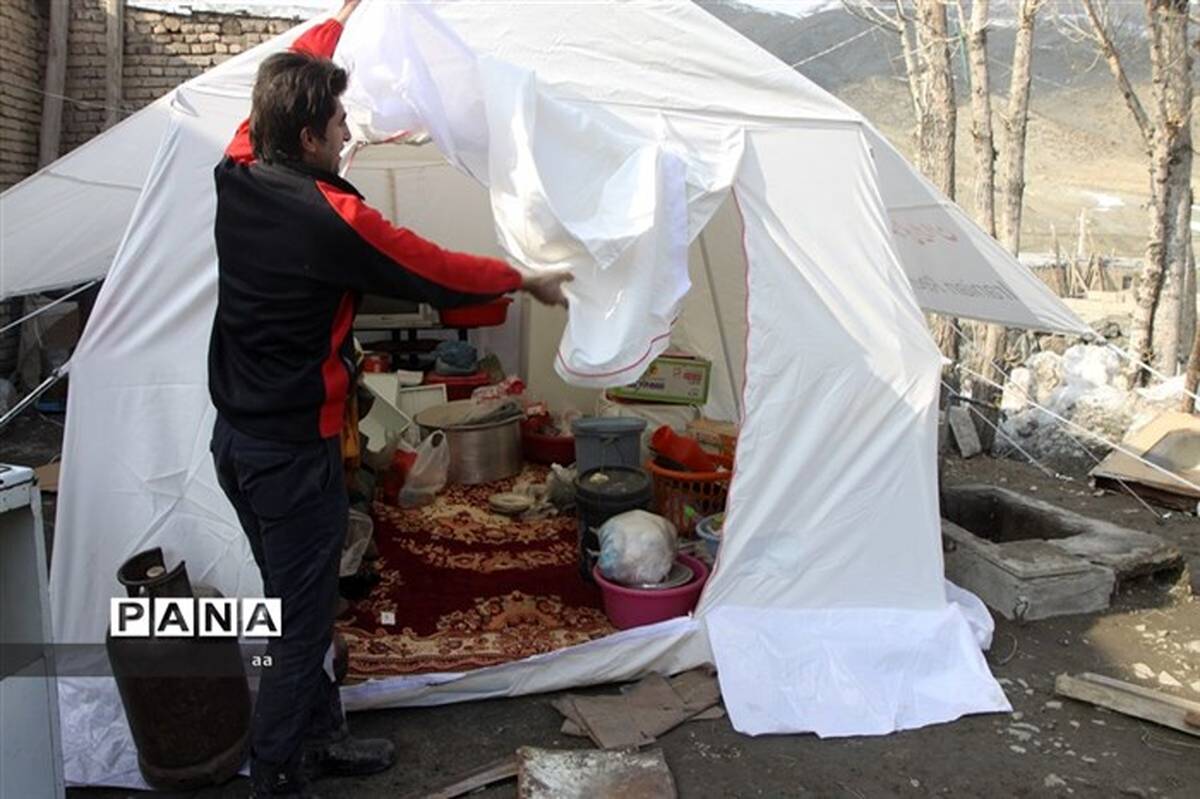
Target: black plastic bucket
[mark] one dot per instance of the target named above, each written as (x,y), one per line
(621,489)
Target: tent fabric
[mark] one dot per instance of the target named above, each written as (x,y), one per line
(789,224)
(552,202)
(62,225)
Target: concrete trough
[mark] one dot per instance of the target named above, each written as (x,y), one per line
(1029,559)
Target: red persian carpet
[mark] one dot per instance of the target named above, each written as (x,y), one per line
(470,588)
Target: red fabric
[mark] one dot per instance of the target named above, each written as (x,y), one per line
(319,41)
(469,274)
(333,371)
(240,149)
(470,588)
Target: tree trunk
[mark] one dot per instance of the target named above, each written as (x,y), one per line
(1161,322)
(912,68)
(981,117)
(55,82)
(1150,282)
(1192,381)
(936,129)
(1015,125)
(1113,58)
(114,60)
(990,339)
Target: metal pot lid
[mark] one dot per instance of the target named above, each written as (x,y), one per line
(610,481)
(451,416)
(680,574)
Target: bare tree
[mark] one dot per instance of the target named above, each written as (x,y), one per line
(990,339)
(923,31)
(1164,318)
(1014,125)
(982,138)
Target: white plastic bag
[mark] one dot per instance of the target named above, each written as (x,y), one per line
(428,474)
(359,530)
(637,547)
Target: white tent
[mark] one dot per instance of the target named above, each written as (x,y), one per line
(811,246)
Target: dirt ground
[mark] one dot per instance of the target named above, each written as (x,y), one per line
(1048,747)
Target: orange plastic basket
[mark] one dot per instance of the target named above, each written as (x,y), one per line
(703,492)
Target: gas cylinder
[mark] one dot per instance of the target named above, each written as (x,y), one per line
(187,699)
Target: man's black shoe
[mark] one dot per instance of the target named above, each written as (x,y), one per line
(347,756)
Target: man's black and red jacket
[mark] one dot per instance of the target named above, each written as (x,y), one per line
(296,248)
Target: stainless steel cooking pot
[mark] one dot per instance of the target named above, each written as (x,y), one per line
(479,453)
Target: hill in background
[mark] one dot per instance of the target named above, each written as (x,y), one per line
(1084,151)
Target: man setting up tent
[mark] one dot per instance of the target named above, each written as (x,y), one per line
(296,247)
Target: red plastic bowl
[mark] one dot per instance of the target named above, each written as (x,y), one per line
(459,387)
(634,607)
(489,314)
(541,448)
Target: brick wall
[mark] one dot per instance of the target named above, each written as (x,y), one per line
(22,55)
(161,51)
(164,50)
(83,115)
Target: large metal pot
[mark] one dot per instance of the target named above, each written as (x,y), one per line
(479,453)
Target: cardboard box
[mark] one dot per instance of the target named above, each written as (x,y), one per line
(673,379)
(719,438)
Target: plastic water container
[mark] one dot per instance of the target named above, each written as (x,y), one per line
(604,441)
(617,490)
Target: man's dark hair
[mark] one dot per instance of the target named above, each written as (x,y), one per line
(293,91)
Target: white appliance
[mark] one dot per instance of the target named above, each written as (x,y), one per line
(30,748)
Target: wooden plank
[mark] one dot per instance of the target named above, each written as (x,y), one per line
(1132,700)
(114,60)
(505,768)
(56,81)
(1185,705)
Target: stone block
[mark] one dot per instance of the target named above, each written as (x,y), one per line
(1025,580)
(963,429)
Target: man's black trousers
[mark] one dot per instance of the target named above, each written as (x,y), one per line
(291,501)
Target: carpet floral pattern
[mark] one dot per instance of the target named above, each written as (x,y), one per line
(469,588)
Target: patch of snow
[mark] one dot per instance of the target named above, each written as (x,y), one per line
(1165,678)
(1054,781)
(1105,202)
(1143,672)
(1085,385)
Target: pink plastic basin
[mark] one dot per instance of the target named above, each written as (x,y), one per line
(633,607)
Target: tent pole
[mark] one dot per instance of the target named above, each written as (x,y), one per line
(32,397)
(712,289)
(43,308)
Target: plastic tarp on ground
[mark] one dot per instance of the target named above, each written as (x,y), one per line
(833,511)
